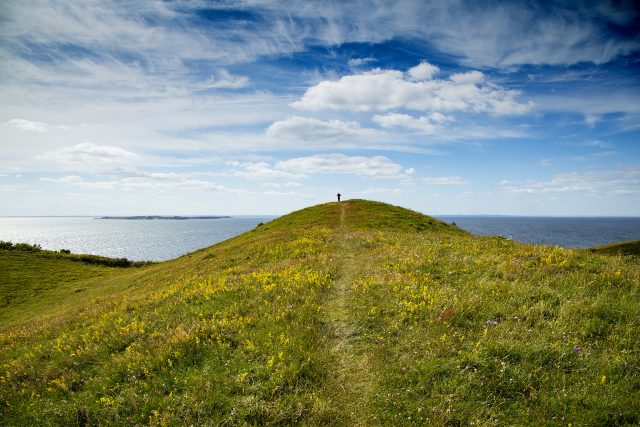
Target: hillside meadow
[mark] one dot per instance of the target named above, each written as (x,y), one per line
(352,313)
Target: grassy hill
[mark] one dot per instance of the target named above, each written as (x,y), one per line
(358,313)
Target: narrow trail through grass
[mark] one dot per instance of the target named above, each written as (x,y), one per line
(352,382)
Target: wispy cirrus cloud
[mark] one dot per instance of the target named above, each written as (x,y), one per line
(264,170)
(624,180)
(69,179)
(357,62)
(27,125)
(33,126)
(444,180)
(380,191)
(336,163)
(88,155)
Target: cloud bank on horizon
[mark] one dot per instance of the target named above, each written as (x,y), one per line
(242,107)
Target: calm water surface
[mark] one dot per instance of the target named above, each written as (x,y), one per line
(152,240)
(565,232)
(159,240)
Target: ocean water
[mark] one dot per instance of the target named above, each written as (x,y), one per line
(158,240)
(138,240)
(556,231)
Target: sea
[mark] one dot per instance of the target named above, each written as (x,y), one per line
(567,232)
(163,239)
(137,240)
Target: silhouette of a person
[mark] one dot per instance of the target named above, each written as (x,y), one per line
(339,195)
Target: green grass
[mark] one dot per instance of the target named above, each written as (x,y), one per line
(622,248)
(34,281)
(357,313)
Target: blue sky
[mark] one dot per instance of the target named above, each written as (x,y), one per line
(263,107)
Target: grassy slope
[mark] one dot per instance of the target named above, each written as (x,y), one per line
(35,281)
(622,248)
(354,313)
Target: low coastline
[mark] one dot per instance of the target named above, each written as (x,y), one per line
(160,217)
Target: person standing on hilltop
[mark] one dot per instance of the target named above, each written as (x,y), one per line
(339,195)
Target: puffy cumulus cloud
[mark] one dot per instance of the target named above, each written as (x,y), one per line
(374,167)
(308,129)
(422,71)
(472,77)
(383,90)
(625,180)
(426,124)
(87,152)
(444,180)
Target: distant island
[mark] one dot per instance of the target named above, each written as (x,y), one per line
(147,217)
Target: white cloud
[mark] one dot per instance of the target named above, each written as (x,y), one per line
(88,155)
(69,179)
(132,179)
(27,125)
(621,181)
(383,90)
(375,167)
(226,80)
(596,143)
(444,180)
(422,71)
(591,119)
(590,101)
(162,41)
(473,77)
(356,62)
(518,32)
(426,124)
(290,184)
(379,191)
(135,180)
(312,130)
(172,180)
(263,170)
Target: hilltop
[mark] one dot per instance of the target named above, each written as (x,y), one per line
(352,313)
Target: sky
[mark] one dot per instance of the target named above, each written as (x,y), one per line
(262,107)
